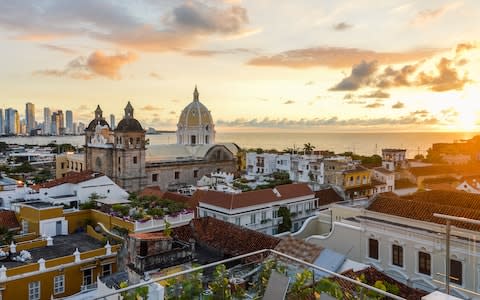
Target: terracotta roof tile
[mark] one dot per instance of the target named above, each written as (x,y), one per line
(421,206)
(299,248)
(372,275)
(151,191)
(71,177)
(327,196)
(149,236)
(9,220)
(226,237)
(232,201)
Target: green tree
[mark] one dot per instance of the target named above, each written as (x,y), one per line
(219,284)
(286,224)
(168,229)
(6,236)
(25,167)
(308,148)
(299,288)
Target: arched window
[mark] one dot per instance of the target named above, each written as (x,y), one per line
(193,139)
(206,139)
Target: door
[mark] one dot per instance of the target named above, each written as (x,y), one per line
(58,227)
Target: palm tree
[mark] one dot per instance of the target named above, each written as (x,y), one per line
(308,148)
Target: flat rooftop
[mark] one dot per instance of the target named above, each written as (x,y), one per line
(39,204)
(63,245)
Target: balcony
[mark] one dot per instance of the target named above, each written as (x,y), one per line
(264,274)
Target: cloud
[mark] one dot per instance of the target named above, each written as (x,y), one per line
(57,48)
(336,57)
(428,15)
(376,94)
(446,78)
(166,29)
(342,26)
(310,82)
(462,47)
(289,102)
(375,104)
(150,107)
(360,76)
(421,113)
(83,107)
(398,105)
(408,119)
(172,112)
(155,75)
(96,64)
(211,53)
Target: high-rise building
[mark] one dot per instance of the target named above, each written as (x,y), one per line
(112,121)
(69,122)
(17,122)
(10,121)
(2,124)
(47,120)
(61,123)
(30,117)
(55,124)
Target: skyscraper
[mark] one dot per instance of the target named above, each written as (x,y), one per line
(2,124)
(112,121)
(47,121)
(30,116)
(60,123)
(10,121)
(69,121)
(55,124)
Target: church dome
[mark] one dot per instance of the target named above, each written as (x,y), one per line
(129,123)
(195,114)
(195,125)
(99,120)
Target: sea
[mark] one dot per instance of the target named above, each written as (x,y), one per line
(363,143)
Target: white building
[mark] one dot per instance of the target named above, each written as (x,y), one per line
(470,185)
(258,210)
(400,237)
(385,176)
(76,188)
(393,158)
(301,168)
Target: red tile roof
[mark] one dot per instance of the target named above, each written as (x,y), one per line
(156,191)
(226,237)
(421,206)
(9,220)
(71,177)
(149,236)
(152,191)
(404,184)
(372,275)
(327,196)
(298,248)
(431,170)
(232,201)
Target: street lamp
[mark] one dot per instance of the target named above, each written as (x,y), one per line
(448,219)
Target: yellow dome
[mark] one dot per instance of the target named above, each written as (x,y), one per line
(195,114)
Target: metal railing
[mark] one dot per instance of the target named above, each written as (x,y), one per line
(365,288)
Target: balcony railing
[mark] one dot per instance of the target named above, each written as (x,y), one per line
(250,277)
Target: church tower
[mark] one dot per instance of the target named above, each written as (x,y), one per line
(129,152)
(98,147)
(195,126)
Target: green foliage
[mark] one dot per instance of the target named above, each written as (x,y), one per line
(219,284)
(42,176)
(419,157)
(374,160)
(136,294)
(332,288)
(6,236)
(3,147)
(123,210)
(267,267)
(25,167)
(155,212)
(299,288)
(286,224)
(308,148)
(168,229)
(87,205)
(186,288)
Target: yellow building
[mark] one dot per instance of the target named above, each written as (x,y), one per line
(69,162)
(357,183)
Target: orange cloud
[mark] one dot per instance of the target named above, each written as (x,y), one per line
(335,57)
(96,64)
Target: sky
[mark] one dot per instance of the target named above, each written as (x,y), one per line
(259,65)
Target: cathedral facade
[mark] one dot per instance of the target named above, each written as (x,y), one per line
(122,155)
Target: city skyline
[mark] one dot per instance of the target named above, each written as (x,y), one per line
(310,66)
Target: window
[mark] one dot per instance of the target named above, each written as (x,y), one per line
(34,290)
(25,226)
(106,269)
(195,173)
(206,139)
(154,177)
(237,220)
(373,248)
(193,140)
(134,159)
(177,175)
(205,214)
(275,213)
(456,271)
(424,263)
(264,215)
(62,165)
(87,277)
(397,255)
(58,284)
(252,219)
